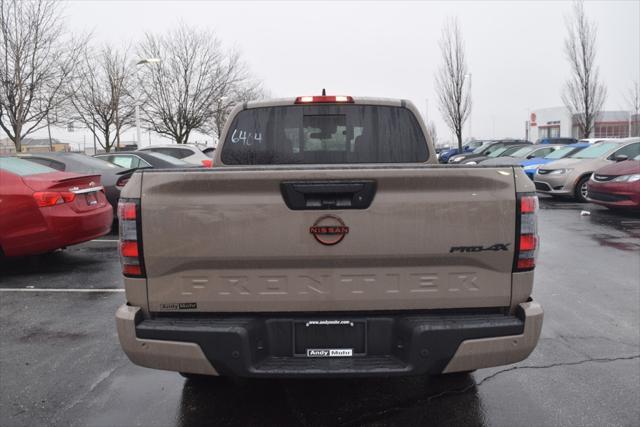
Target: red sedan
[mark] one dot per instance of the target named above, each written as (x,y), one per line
(42,209)
(616,186)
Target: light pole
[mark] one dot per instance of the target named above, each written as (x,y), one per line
(144,61)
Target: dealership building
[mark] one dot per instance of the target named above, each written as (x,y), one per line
(559,122)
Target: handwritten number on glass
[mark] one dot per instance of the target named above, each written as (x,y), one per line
(245,138)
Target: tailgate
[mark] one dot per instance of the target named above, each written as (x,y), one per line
(225,240)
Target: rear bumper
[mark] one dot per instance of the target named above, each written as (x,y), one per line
(264,346)
(61,226)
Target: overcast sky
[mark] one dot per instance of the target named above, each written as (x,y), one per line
(514,49)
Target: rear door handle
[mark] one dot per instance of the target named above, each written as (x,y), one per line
(307,195)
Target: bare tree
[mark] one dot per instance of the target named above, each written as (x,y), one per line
(584,93)
(433,132)
(182,92)
(249,91)
(101,96)
(454,99)
(38,58)
(633,99)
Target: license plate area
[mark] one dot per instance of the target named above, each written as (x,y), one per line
(340,338)
(91,199)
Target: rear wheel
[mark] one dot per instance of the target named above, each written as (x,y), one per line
(580,191)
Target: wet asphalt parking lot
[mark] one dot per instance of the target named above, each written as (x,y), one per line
(61,364)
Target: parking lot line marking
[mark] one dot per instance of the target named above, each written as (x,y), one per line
(57,290)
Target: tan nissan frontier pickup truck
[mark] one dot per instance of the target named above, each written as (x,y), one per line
(326,241)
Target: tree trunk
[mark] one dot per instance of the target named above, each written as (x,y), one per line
(18,138)
(18,143)
(117,130)
(107,141)
(587,127)
(49,132)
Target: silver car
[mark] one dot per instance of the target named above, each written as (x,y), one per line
(186,152)
(568,177)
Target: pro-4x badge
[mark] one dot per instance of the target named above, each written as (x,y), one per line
(495,247)
(329,230)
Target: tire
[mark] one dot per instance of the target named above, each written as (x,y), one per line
(580,192)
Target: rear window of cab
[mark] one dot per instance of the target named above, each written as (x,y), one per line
(22,167)
(324,134)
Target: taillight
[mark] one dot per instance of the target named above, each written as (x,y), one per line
(52,198)
(324,99)
(122,181)
(207,163)
(526,232)
(130,244)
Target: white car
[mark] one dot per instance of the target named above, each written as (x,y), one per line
(593,140)
(186,152)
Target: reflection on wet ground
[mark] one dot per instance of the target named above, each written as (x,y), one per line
(328,402)
(600,222)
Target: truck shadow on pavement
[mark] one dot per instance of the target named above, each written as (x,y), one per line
(352,402)
(56,262)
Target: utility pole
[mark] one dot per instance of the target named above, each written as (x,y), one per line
(141,62)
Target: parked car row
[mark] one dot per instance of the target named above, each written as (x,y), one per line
(475,151)
(484,150)
(570,176)
(531,165)
(565,167)
(445,155)
(52,200)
